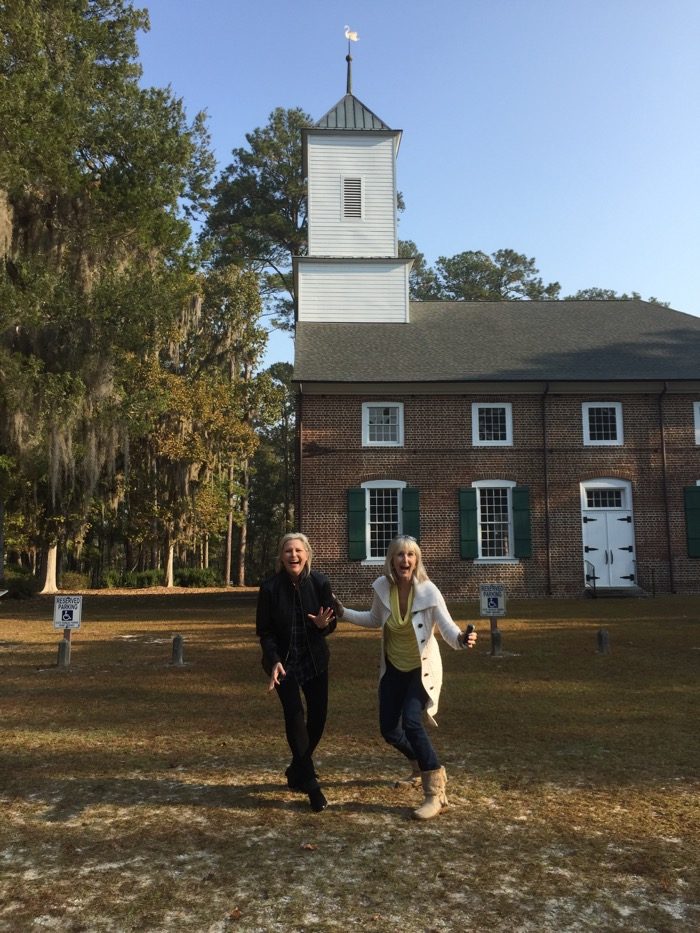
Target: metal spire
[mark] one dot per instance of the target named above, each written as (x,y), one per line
(351,36)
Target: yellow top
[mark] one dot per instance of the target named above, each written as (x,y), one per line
(399,637)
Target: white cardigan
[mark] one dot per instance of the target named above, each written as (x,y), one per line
(429,610)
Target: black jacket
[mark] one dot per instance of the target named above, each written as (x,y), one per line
(273,622)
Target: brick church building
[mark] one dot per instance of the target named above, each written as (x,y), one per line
(553,446)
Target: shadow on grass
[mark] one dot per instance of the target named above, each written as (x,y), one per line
(78,796)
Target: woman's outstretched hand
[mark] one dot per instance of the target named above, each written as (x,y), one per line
(469,637)
(338,606)
(323,617)
(277,676)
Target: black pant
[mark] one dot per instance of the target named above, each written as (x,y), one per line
(304,733)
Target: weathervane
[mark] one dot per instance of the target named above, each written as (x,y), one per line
(351,36)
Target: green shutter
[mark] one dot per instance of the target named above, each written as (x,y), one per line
(410,512)
(468,531)
(691,495)
(522,535)
(357,525)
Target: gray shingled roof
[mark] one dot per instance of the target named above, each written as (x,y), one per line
(505,340)
(350,114)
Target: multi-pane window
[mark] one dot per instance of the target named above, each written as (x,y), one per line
(383,519)
(495,518)
(382,424)
(379,510)
(696,415)
(604,499)
(602,424)
(494,523)
(352,197)
(492,425)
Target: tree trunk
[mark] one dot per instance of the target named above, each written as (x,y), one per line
(243,536)
(2,540)
(228,560)
(51,564)
(169,573)
(129,563)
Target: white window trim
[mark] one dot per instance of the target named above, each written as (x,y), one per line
(344,218)
(585,406)
(696,418)
(491,484)
(607,483)
(378,484)
(476,442)
(366,442)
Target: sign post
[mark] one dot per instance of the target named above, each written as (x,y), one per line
(493,607)
(67,612)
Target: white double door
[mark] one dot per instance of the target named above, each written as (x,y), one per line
(608,538)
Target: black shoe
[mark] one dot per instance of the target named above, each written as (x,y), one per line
(294,782)
(317,800)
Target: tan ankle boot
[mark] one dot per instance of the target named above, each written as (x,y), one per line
(434,790)
(412,779)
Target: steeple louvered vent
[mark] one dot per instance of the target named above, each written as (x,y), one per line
(352,197)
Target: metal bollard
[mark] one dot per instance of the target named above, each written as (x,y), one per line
(603,641)
(495,643)
(64,653)
(178,651)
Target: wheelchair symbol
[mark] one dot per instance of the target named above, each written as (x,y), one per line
(492,602)
(66,615)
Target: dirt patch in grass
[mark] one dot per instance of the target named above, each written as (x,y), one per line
(140,796)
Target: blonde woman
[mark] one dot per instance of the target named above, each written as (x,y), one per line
(294,617)
(408,607)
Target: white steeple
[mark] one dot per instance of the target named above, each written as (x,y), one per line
(352,271)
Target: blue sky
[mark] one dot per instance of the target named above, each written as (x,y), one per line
(568,130)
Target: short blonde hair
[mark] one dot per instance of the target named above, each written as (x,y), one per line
(294,536)
(408,543)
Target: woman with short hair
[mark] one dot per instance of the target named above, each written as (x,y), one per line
(407,606)
(294,617)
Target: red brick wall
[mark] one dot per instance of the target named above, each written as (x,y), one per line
(438,458)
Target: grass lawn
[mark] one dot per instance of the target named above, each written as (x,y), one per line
(137,796)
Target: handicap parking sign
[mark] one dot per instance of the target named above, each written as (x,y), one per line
(493,599)
(67,611)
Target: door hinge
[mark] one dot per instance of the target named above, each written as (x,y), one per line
(627,518)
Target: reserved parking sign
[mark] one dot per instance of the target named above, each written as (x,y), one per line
(493,599)
(67,611)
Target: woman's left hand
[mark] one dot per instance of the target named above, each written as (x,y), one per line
(324,617)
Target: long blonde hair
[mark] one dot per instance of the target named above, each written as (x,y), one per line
(407,543)
(294,536)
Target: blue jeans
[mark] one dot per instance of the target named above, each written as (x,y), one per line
(402,701)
